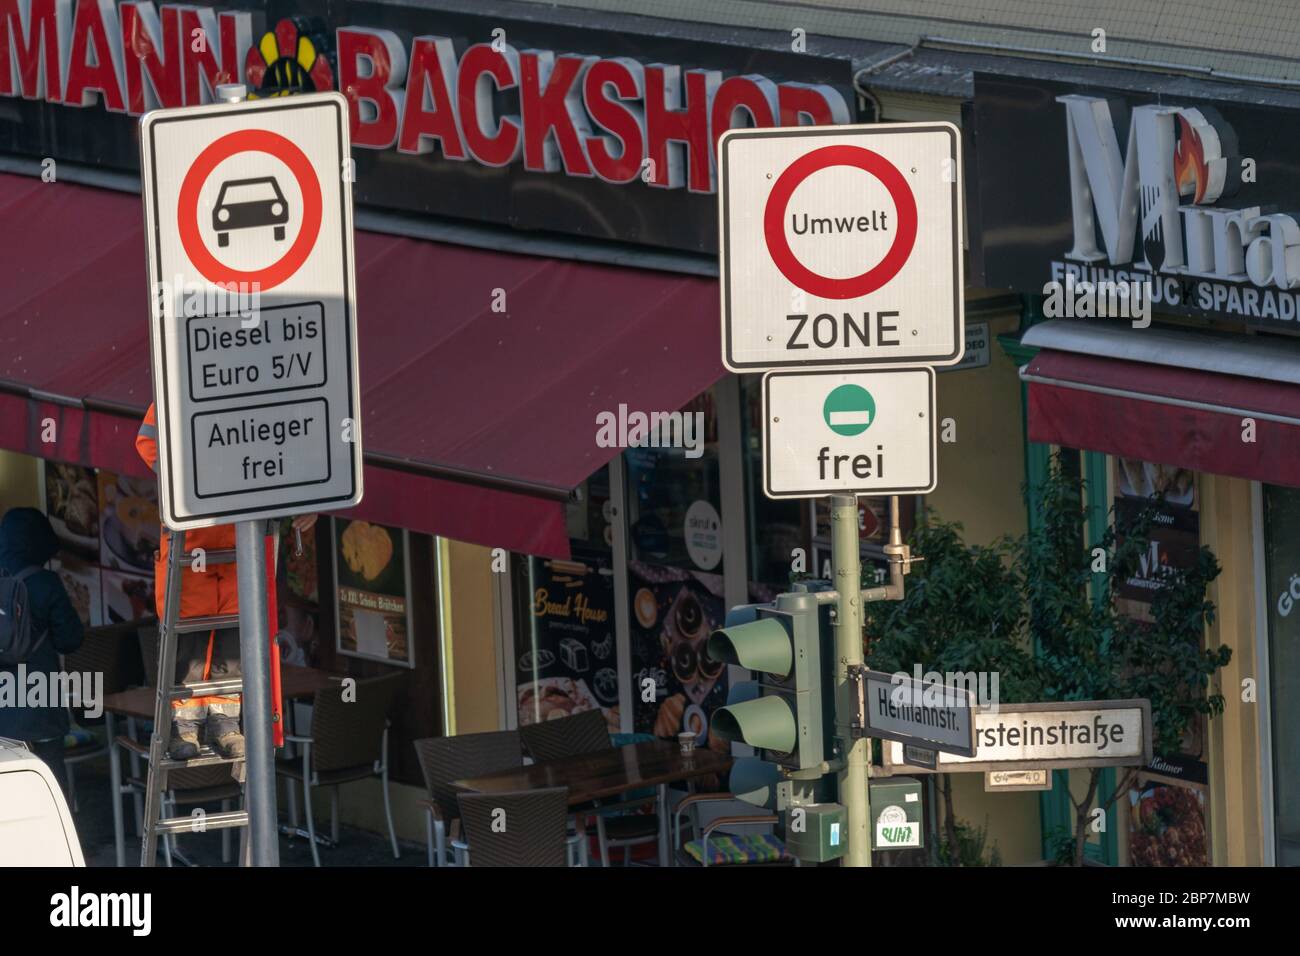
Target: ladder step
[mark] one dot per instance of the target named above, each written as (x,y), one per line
(215,622)
(220,556)
(208,688)
(207,758)
(211,821)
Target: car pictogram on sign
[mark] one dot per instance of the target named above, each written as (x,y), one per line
(248,204)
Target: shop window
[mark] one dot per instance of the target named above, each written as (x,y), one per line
(777,532)
(589,516)
(675,584)
(674,499)
(1282,556)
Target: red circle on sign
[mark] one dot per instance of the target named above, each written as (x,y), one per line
(875,277)
(187,213)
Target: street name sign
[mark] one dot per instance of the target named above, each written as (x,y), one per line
(248,221)
(841,245)
(1047,736)
(908,711)
(849,432)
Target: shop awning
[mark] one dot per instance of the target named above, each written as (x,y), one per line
(1170,396)
(478,421)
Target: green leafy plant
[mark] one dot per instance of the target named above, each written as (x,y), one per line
(1088,650)
(968,847)
(1041,612)
(963,610)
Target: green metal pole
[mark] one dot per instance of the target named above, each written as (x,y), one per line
(846,565)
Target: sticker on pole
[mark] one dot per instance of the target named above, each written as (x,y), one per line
(833,431)
(248,220)
(841,245)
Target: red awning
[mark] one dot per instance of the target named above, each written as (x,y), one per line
(477,423)
(1175,411)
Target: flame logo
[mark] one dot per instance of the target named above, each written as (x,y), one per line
(292,58)
(1191,172)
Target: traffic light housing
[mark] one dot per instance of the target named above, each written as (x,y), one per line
(786,714)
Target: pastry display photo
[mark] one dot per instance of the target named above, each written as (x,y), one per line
(72,504)
(129,530)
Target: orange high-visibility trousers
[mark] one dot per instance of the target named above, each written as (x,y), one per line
(207,593)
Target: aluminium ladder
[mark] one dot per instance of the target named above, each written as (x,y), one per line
(160,765)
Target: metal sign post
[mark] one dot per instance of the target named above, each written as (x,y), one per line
(839,249)
(255,662)
(248,219)
(846,566)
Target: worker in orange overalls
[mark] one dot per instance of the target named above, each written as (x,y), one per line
(198,656)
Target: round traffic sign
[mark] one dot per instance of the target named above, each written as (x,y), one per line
(187,209)
(849,410)
(778,244)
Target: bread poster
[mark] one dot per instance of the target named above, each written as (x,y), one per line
(566,658)
(372,589)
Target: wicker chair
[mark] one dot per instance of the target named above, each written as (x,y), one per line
(584,733)
(444,759)
(349,741)
(532,832)
(100,653)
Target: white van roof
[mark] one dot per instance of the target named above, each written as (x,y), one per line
(35,825)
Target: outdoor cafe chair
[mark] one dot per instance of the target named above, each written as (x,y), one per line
(751,849)
(444,759)
(100,653)
(584,733)
(519,828)
(349,741)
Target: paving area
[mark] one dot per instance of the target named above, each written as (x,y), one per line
(94,821)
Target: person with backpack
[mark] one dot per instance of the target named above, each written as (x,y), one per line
(37,624)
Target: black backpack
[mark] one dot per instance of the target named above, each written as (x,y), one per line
(16,641)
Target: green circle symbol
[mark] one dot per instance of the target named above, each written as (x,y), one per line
(849,410)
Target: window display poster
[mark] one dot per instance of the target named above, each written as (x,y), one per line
(126,597)
(129,529)
(1166,823)
(1175,531)
(72,505)
(673,613)
(567,660)
(1167,818)
(372,587)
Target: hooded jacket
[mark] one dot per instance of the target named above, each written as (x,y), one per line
(27,540)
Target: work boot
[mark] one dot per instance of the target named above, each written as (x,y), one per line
(223,735)
(184,743)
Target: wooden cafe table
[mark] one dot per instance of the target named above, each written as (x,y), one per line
(296,683)
(609,773)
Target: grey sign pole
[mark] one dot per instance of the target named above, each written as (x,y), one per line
(847,568)
(255,661)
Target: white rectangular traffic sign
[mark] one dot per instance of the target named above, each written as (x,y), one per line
(929,715)
(841,245)
(834,431)
(248,221)
(1065,735)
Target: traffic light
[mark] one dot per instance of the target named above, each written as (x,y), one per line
(785,714)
